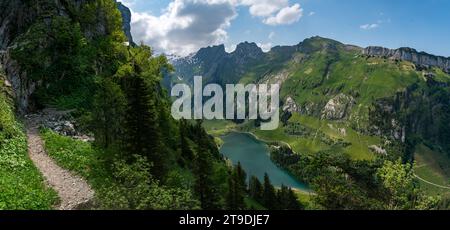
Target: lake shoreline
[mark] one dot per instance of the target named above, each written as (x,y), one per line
(256,163)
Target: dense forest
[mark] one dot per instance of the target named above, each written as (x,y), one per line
(141,158)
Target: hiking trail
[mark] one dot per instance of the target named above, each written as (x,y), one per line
(73,191)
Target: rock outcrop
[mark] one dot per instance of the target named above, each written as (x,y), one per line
(218,66)
(126,21)
(60,122)
(15,18)
(420,59)
(378,150)
(246,50)
(290,105)
(338,107)
(22,86)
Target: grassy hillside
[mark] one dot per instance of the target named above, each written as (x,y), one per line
(21,185)
(324,73)
(141,158)
(314,135)
(366,107)
(433,167)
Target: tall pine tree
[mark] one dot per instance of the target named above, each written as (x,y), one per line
(237,188)
(142,134)
(187,155)
(204,185)
(256,189)
(269,194)
(108,113)
(286,199)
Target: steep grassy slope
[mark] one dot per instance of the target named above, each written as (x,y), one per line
(21,185)
(433,167)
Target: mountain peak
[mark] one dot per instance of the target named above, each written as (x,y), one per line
(247,45)
(318,43)
(216,48)
(248,49)
(126,21)
(211,53)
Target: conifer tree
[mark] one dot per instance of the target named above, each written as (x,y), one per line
(204,186)
(231,194)
(187,154)
(142,134)
(287,199)
(255,189)
(269,194)
(282,198)
(294,204)
(108,112)
(237,187)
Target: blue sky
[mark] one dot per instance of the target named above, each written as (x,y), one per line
(183,26)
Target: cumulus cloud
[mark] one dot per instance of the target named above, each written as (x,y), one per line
(265,46)
(274,12)
(184,26)
(369,26)
(264,8)
(230,48)
(287,15)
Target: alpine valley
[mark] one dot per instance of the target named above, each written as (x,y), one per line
(85,121)
(364,103)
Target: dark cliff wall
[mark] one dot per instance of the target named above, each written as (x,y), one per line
(419,114)
(16,16)
(126,21)
(408,54)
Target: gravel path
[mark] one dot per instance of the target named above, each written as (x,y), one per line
(73,190)
(431,183)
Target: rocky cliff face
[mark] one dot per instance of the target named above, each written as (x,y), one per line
(246,51)
(408,54)
(212,54)
(417,112)
(15,18)
(218,66)
(126,21)
(338,107)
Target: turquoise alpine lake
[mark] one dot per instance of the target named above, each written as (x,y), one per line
(254,157)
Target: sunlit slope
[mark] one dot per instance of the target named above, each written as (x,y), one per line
(336,98)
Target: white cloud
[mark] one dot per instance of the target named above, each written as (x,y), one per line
(265,46)
(272,35)
(273,12)
(230,48)
(185,26)
(369,26)
(287,15)
(264,8)
(311,13)
(375,25)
